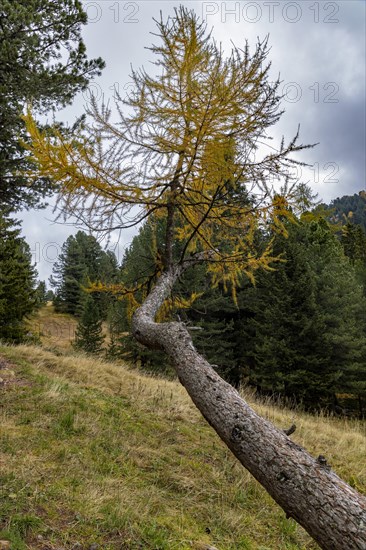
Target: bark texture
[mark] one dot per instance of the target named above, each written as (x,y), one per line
(306,488)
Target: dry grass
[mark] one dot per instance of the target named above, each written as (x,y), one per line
(55,330)
(95,452)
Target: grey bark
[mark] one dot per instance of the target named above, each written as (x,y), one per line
(306,488)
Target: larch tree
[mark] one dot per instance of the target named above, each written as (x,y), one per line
(189,148)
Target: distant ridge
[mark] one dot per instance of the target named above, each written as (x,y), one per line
(349,208)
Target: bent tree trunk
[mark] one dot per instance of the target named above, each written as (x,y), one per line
(331,511)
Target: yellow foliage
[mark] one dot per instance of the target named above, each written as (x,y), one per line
(185,151)
(176,302)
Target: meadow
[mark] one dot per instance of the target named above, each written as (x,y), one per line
(98,455)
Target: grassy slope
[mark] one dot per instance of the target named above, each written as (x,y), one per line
(54,330)
(93,452)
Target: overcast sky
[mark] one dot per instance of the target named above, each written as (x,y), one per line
(318,48)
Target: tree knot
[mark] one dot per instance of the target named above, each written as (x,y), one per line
(237,433)
(282,477)
(290,430)
(323,462)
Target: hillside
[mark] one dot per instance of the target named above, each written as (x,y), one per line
(350,208)
(54,330)
(94,455)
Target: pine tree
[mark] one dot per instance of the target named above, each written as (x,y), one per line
(32,69)
(68,274)
(82,261)
(353,239)
(213,316)
(41,294)
(118,326)
(17,282)
(89,334)
(309,320)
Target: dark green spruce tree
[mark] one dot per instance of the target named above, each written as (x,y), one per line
(309,323)
(212,319)
(82,261)
(17,282)
(43,61)
(353,239)
(89,333)
(68,274)
(41,294)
